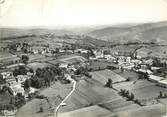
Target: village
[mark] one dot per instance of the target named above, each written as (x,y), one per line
(28,68)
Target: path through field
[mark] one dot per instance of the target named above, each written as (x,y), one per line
(63,101)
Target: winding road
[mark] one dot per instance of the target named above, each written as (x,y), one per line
(63,101)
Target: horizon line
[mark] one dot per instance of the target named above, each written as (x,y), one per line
(89,25)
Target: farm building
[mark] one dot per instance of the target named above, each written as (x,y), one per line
(7,74)
(128,65)
(83,51)
(144,71)
(98,53)
(109,57)
(17,89)
(155,78)
(22,78)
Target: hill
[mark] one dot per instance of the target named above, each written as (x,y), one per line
(149,32)
(10,33)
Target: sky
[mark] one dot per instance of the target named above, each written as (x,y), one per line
(80,12)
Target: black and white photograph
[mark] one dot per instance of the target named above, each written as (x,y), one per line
(83,58)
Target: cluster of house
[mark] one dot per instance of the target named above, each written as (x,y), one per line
(15,83)
(137,63)
(61,48)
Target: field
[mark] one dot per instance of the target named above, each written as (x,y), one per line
(31,109)
(92,111)
(97,64)
(89,92)
(133,76)
(5,98)
(36,65)
(142,89)
(35,57)
(119,105)
(157,110)
(103,75)
(158,51)
(73,59)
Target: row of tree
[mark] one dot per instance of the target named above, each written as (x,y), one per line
(125,93)
(129,96)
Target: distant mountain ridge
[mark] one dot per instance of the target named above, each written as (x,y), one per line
(154,32)
(148,32)
(21,32)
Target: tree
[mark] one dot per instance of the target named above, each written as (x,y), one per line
(132,96)
(4,89)
(137,101)
(20,71)
(27,84)
(36,82)
(122,69)
(81,70)
(2,81)
(109,83)
(122,92)
(127,94)
(41,109)
(39,72)
(31,70)
(128,79)
(165,95)
(19,100)
(143,76)
(73,47)
(25,59)
(160,94)
(47,78)
(90,52)
(156,62)
(88,75)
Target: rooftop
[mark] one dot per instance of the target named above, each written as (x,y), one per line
(157,78)
(163,81)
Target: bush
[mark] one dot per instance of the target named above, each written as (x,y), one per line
(88,75)
(41,97)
